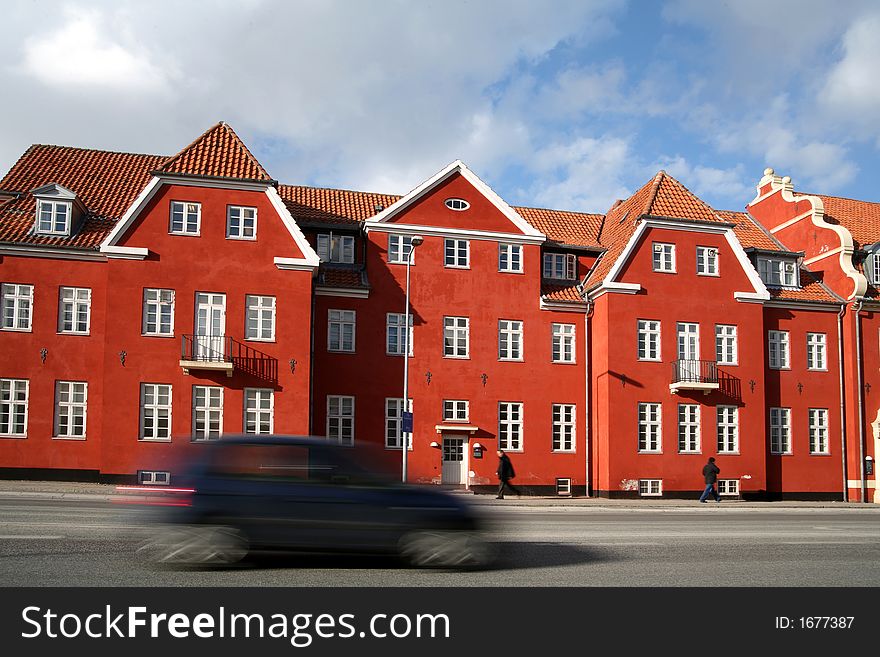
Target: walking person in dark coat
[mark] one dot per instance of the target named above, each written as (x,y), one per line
(505,474)
(710,473)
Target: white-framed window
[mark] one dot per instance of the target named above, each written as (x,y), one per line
(341,330)
(335,248)
(259,410)
(650,487)
(563,431)
(726,348)
(458,204)
(780,431)
(340,419)
(816,358)
(399,247)
(777,350)
(457,253)
(456,410)
(155,412)
(650,428)
(74,309)
(393,411)
(259,317)
(510,258)
(707,261)
(53,217)
(154,477)
(71,399)
(510,426)
(158,313)
(728,486)
(241,223)
(13,407)
(728,429)
(778,272)
(688,428)
(562,345)
(186,218)
(207,417)
(395,336)
(510,339)
(561,266)
(663,257)
(649,339)
(18,305)
(819,431)
(456,337)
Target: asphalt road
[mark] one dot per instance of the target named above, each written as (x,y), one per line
(92,543)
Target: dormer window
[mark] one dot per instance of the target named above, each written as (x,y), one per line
(58,211)
(561,266)
(457,204)
(778,272)
(53,217)
(335,248)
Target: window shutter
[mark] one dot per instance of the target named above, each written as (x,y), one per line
(871,263)
(324,247)
(572,266)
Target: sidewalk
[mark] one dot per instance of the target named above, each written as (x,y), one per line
(92,491)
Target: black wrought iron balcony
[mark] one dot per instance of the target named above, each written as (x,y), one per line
(223,353)
(694,375)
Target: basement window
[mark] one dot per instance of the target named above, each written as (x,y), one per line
(154,477)
(650,487)
(563,487)
(728,486)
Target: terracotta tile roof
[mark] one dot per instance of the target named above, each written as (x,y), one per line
(333,206)
(338,277)
(672,199)
(577,228)
(218,153)
(105,182)
(860,218)
(563,293)
(749,232)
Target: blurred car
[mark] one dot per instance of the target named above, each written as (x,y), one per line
(250,494)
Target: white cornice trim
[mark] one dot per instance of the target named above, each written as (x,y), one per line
(213,183)
(295,264)
(457,167)
(348,292)
(785,188)
(435,231)
(614,288)
(759,292)
(791,222)
(818,306)
(822,256)
(565,307)
(309,254)
(749,297)
(131,214)
(125,252)
(59,253)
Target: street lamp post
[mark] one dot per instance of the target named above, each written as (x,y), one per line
(415,241)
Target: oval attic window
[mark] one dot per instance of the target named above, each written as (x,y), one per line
(458,204)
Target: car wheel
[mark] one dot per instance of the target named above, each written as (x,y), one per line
(446,549)
(199,545)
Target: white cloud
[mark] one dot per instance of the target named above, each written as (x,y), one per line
(728,185)
(82,53)
(584,175)
(851,93)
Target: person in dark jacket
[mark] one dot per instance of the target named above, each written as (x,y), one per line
(505,474)
(710,474)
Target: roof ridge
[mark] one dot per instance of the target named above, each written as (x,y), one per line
(203,138)
(687,191)
(338,189)
(655,189)
(90,150)
(842,198)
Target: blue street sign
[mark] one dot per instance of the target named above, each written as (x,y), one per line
(406,422)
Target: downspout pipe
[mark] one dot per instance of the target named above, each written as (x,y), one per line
(857,308)
(840,317)
(587,357)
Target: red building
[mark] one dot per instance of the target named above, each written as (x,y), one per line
(151,304)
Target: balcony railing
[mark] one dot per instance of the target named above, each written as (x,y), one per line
(223,353)
(694,375)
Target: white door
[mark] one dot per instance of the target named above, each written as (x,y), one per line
(210,326)
(454,461)
(688,351)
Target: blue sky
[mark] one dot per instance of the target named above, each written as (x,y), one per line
(564,104)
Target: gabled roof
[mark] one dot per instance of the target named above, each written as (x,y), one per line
(456,168)
(218,153)
(663,196)
(105,182)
